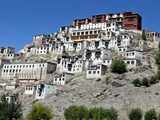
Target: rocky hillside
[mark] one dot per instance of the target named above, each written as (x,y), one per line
(112,90)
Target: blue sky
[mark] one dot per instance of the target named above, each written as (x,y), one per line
(21,19)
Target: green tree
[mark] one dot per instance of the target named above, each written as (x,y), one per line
(144,35)
(118,66)
(158,117)
(135,114)
(76,113)
(137,83)
(97,113)
(150,115)
(10,110)
(40,112)
(103,114)
(111,114)
(157,58)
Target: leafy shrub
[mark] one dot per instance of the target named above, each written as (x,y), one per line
(118,66)
(76,113)
(82,113)
(135,114)
(40,112)
(137,83)
(154,79)
(150,115)
(158,75)
(103,114)
(146,82)
(157,58)
(158,117)
(10,110)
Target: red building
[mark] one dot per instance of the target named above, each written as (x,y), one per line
(132,21)
(99,18)
(79,22)
(128,20)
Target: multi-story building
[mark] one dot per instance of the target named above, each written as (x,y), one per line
(27,71)
(132,21)
(8,53)
(70,64)
(95,71)
(127,20)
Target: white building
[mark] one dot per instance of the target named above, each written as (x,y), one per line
(42,90)
(95,71)
(59,79)
(7,53)
(27,71)
(133,54)
(30,89)
(120,42)
(70,64)
(132,63)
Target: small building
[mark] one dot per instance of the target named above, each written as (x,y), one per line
(133,54)
(95,71)
(4,61)
(7,53)
(42,90)
(70,64)
(61,78)
(132,63)
(29,89)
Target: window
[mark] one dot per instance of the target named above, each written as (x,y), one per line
(94,72)
(91,32)
(82,33)
(74,34)
(78,33)
(132,62)
(98,72)
(89,72)
(86,33)
(128,62)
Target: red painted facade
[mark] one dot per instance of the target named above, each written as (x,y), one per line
(132,21)
(129,20)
